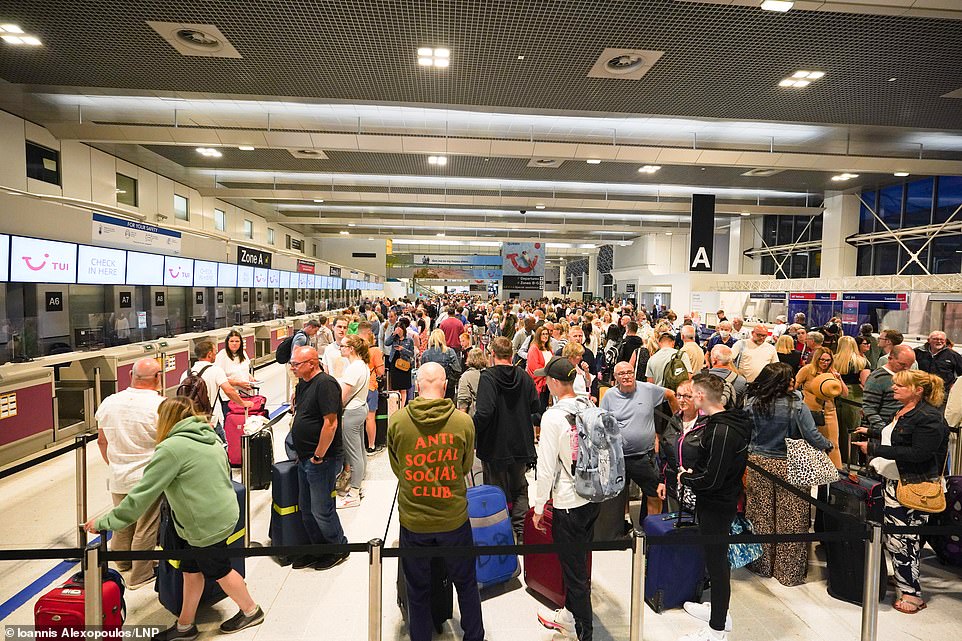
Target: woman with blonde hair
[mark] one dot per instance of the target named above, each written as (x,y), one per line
(918,438)
(785,346)
(820,385)
(439,352)
(854,368)
(190,468)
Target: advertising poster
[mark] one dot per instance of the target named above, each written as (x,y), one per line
(522,265)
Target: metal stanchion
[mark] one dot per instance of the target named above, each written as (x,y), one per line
(98,393)
(375,581)
(636,615)
(80,477)
(93,585)
(873,567)
(246,480)
(957,458)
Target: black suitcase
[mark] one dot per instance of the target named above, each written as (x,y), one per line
(610,524)
(845,560)
(169,584)
(262,459)
(442,593)
(287,523)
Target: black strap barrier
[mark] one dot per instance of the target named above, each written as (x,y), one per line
(43,458)
(34,554)
(923,530)
(821,505)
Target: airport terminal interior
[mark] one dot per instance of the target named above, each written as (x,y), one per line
(173,171)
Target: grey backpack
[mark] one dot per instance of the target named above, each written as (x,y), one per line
(597,457)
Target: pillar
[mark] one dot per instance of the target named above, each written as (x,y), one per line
(839,221)
(593,285)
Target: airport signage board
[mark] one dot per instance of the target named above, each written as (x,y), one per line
(335,271)
(145,269)
(813,296)
(253,257)
(245,276)
(4,257)
(311,279)
(306,266)
(522,265)
(767,296)
(131,234)
(492,260)
(100,266)
(285,280)
(42,261)
(701,250)
(205,273)
(226,275)
(882,297)
(302,281)
(273,278)
(178,271)
(260,277)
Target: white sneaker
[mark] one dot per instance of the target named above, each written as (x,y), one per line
(351,499)
(705,634)
(559,620)
(702,612)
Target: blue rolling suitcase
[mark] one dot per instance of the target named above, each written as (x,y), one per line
(287,525)
(491,525)
(170,581)
(676,573)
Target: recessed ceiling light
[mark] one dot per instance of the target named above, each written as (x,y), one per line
(10,28)
(438,160)
(845,176)
(345,233)
(520,57)
(209,152)
(901,174)
(440,234)
(667,233)
(891,79)
(649,169)
(33,41)
(352,224)
(539,206)
(746,213)
(318,200)
(780,6)
(593,161)
(246,148)
(801,78)
(428,57)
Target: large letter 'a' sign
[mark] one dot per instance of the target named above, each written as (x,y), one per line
(701,250)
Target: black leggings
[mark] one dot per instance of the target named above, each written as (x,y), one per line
(712,521)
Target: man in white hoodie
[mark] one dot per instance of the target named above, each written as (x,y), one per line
(573,517)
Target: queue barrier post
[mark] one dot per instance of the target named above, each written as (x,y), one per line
(246,480)
(375,586)
(957,458)
(80,476)
(873,565)
(636,615)
(93,584)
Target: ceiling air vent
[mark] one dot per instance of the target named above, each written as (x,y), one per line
(762,172)
(550,163)
(624,64)
(204,40)
(309,154)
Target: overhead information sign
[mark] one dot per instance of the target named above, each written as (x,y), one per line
(178,271)
(522,265)
(131,234)
(245,276)
(145,269)
(42,261)
(4,257)
(99,266)
(205,273)
(226,275)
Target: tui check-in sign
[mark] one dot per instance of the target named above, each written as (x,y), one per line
(253,257)
(702,236)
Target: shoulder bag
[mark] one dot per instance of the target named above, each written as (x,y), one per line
(807,466)
(927,496)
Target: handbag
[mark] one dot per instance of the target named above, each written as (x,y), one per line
(807,466)
(402,364)
(927,496)
(741,554)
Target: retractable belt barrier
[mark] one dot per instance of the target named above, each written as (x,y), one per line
(805,496)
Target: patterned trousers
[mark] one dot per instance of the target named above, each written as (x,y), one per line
(903,549)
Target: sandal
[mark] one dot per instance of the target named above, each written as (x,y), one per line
(908,607)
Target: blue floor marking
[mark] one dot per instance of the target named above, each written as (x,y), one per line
(19,599)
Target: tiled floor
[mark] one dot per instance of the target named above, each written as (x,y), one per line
(37,509)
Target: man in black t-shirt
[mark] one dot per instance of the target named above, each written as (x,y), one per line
(630,342)
(316,432)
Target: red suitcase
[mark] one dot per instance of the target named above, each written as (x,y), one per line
(542,572)
(63,608)
(234,424)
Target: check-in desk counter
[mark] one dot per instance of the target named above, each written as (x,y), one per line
(27,422)
(78,389)
(299,321)
(119,361)
(175,359)
(270,334)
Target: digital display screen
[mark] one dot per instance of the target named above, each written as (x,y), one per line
(302,281)
(178,272)
(245,276)
(285,280)
(226,275)
(42,261)
(4,257)
(99,266)
(260,277)
(205,274)
(273,278)
(310,281)
(145,269)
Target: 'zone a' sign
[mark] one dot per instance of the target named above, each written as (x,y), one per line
(253,257)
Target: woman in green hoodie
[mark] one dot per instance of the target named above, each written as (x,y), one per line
(190,467)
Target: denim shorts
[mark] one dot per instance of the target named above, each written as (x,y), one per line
(372,400)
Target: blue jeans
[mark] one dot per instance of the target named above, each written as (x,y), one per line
(316,500)
(461,571)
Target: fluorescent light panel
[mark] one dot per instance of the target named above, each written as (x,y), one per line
(780,6)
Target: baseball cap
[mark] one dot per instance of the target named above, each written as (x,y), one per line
(559,368)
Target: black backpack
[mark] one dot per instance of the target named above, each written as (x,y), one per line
(195,389)
(283,353)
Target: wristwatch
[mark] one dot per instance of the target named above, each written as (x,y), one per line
(316,459)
